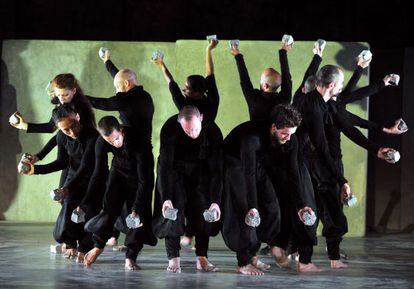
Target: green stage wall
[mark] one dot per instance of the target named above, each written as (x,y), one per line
(28,65)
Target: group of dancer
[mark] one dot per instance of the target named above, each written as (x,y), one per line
(260,184)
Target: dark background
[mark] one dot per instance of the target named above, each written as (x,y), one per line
(387,26)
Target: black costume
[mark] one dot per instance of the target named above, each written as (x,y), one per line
(248,185)
(207,105)
(261,103)
(128,183)
(190,175)
(77,155)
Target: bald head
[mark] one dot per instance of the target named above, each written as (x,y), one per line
(125,79)
(270,80)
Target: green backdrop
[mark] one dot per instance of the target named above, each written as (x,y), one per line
(28,65)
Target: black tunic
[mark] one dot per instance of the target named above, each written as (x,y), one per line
(261,103)
(208,104)
(128,172)
(135,107)
(247,186)
(190,175)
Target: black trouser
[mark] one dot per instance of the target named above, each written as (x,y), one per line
(115,233)
(245,257)
(68,232)
(172,245)
(120,189)
(330,209)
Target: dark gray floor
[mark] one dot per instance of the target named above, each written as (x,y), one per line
(25,262)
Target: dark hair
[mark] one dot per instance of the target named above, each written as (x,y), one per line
(310,83)
(61,112)
(108,124)
(327,74)
(197,83)
(285,115)
(187,112)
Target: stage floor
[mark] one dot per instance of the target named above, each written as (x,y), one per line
(26,262)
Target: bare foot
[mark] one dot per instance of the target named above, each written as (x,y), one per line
(338,264)
(131,265)
(112,242)
(204,265)
(259,264)
(280,256)
(80,257)
(91,256)
(249,269)
(306,268)
(186,241)
(70,253)
(174,265)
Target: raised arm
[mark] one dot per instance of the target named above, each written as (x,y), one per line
(209,58)
(285,94)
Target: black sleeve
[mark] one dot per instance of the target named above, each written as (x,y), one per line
(113,103)
(353,81)
(213,96)
(61,162)
(363,123)
(87,162)
(285,94)
(314,122)
(248,148)
(97,182)
(353,133)
(166,162)
(111,68)
(345,98)
(294,180)
(246,84)
(312,70)
(46,127)
(177,95)
(47,148)
(215,165)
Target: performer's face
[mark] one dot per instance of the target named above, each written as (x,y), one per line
(64,95)
(338,85)
(70,126)
(282,135)
(116,138)
(192,127)
(189,92)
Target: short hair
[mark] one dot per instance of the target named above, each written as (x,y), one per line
(63,111)
(327,74)
(128,72)
(197,83)
(310,83)
(188,112)
(285,115)
(108,124)
(272,78)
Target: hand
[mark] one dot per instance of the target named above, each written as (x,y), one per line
(64,192)
(287,47)
(78,209)
(303,210)
(318,50)
(252,212)
(234,50)
(33,158)
(106,56)
(387,80)
(394,129)
(159,62)
(29,172)
(212,44)
(345,193)
(166,205)
(216,207)
(364,63)
(381,154)
(21,124)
